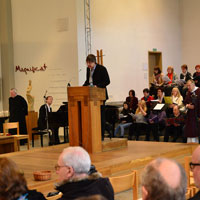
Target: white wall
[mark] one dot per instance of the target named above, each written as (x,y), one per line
(37,40)
(126,30)
(81,41)
(190,17)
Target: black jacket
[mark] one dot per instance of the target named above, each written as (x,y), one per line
(18,109)
(196,78)
(33,195)
(187,77)
(92,185)
(42,120)
(126,116)
(100,77)
(196,196)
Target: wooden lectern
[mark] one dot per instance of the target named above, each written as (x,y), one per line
(84,114)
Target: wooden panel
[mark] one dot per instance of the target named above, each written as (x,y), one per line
(84,117)
(114,143)
(112,163)
(7,144)
(92,93)
(31,122)
(74,123)
(86,127)
(95,116)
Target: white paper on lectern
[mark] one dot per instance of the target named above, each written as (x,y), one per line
(159,106)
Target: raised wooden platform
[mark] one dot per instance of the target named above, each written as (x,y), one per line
(114,144)
(109,163)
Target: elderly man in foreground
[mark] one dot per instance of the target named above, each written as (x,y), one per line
(76,179)
(164,179)
(195,167)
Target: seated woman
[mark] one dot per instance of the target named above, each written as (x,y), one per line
(196,76)
(132,101)
(125,120)
(156,123)
(156,118)
(160,95)
(172,77)
(147,98)
(139,120)
(177,99)
(184,76)
(157,81)
(174,125)
(13,185)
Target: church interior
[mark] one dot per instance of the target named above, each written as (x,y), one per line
(121,79)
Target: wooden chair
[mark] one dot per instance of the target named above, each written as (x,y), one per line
(189,193)
(31,122)
(194,190)
(18,137)
(190,178)
(189,174)
(41,133)
(125,182)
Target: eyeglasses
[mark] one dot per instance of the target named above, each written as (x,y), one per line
(57,167)
(192,165)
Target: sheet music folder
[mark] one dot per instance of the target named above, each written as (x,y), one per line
(159,106)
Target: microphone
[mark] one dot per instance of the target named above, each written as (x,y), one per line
(69,82)
(45,94)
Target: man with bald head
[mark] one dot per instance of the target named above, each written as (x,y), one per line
(195,168)
(164,179)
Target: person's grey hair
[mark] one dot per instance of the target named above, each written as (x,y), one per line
(14,90)
(77,158)
(191,81)
(157,187)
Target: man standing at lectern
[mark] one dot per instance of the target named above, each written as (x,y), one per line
(97,76)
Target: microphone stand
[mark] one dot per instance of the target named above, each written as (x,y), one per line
(69,83)
(46,118)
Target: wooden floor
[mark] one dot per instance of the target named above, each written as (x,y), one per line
(109,163)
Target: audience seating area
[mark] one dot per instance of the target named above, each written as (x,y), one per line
(130,181)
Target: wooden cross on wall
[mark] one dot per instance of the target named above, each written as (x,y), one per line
(100,57)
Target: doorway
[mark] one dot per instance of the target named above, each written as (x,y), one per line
(155,59)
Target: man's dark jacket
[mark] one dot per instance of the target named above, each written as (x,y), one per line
(18,109)
(100,77)
(91,185)
(43,114)
(196,196)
